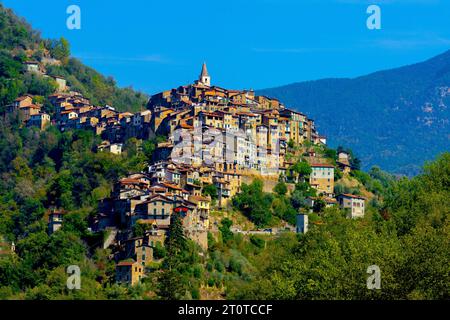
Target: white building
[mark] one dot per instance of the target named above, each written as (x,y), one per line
(32,66)
(355,204)
(116,148)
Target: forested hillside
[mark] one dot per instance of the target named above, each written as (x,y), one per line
(408,237)
(20,43)
(406,234)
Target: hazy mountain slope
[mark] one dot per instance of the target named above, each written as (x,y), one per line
(396,118)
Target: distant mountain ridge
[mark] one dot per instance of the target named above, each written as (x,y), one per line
(396,118)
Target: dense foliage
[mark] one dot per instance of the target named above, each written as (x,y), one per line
(99,89)
(41,170)
(266,209)
(409,239)
(375,181)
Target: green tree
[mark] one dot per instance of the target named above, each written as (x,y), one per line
(60,49)
(301,169)
(224,228)
(210,190)
(139,229)
(291,143)
(176,240)
(254,203)
(330,154)
(148,147)
(171,283)
(171,286)
(39,85)
(281,188)
(319,205)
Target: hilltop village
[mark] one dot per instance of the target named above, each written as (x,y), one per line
(212,137)
(203,193)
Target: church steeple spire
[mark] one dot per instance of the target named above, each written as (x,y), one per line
(204,78)
(204,71)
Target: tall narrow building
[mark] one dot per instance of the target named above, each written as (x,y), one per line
(204,78)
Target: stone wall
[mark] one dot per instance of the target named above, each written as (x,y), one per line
(200,237)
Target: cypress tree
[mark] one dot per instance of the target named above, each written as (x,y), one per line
(171,285)
(176,241)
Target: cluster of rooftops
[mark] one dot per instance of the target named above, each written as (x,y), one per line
(262,128)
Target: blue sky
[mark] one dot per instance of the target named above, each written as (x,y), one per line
(156,45)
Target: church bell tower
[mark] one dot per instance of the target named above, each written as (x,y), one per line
(204,78)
